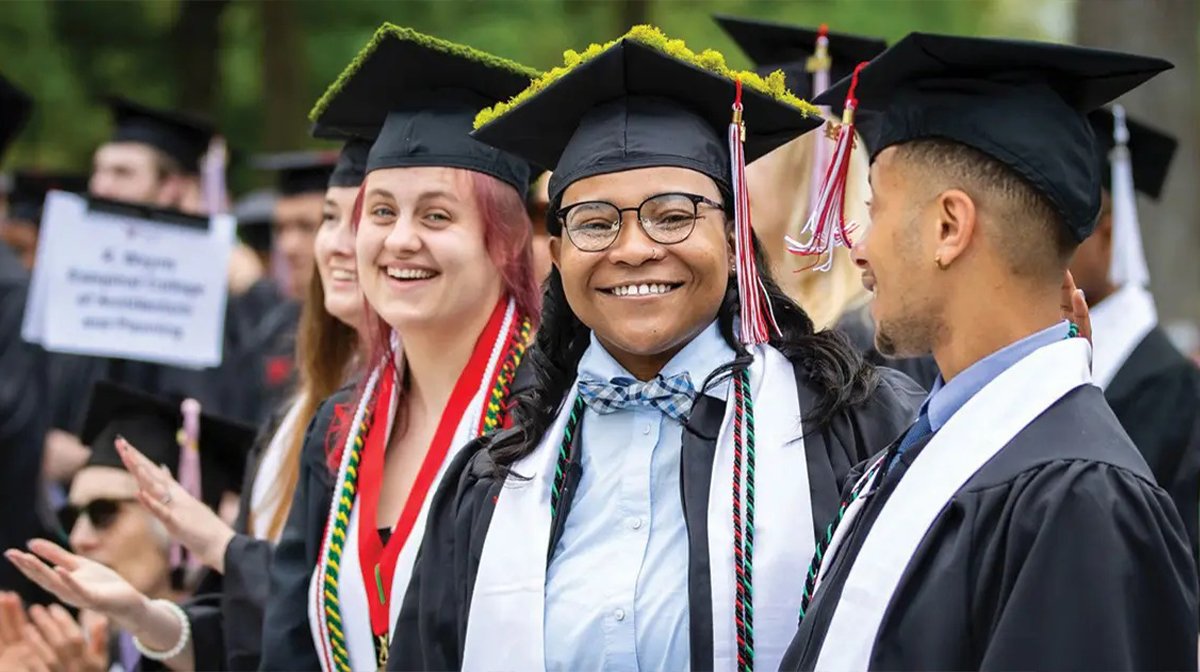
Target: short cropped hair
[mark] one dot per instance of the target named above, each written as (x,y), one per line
(1031,233)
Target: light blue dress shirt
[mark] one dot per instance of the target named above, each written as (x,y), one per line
(616,588)
(946,398)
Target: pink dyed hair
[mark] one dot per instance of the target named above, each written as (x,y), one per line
(507,235)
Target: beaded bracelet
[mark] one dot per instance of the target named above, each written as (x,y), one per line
(185,635)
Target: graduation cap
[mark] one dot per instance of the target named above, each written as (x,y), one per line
(351,165)
(646,100)
(417,96)
(152,425)
(15,108)
(182,137)
(29,188)
(1021,103)
(302,172)
(793,49)
(255,213)
(1150,151)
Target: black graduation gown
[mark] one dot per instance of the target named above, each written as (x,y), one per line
(286,639)
(1060,553)
(1156,396)
(24,418)
(432,625)
(858,326)
(226,613)
(266,353)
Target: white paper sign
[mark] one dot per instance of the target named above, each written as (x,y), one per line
(128,286)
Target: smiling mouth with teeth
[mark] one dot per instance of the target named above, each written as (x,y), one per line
(343,275)
(647,289)
(410,273)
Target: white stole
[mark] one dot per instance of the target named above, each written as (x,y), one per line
(505,626)
(352,593)
(972,437)
(1119,324)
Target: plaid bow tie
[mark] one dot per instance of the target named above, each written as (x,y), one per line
(673,396)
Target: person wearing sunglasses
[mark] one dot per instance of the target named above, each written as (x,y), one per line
(115,538)
(677,450)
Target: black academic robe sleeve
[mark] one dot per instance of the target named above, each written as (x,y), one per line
(286,639)
(432,627)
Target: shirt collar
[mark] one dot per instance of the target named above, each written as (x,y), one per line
(945,399)
(699,358)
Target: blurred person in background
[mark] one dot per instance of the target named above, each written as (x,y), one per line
(1153,389)
(116,541)
(19,229)
(225,616)
(537,204)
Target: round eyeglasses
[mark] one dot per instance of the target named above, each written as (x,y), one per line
(592,226)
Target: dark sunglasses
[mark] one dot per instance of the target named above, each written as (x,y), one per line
(101,512)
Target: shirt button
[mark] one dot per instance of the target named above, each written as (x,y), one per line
(646,428)
(619,614)
(635,522)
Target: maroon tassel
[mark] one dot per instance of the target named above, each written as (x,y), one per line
(756,314)
(827,227)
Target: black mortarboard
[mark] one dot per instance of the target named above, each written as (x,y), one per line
(151,424)
(351,165)
(1150,152)
(778,46)
(1021,103)
(28,192)
(255,212)
(182,137)
(642,101)
(15,108)
(302,172)
(417,96)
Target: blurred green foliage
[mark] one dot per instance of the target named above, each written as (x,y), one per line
(256,67)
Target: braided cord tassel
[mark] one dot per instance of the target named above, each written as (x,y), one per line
(496,412)
(564,455)
(756,314)
(337,543)
(743,529)
(814,567)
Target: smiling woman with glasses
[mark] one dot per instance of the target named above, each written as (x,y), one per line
(667,471)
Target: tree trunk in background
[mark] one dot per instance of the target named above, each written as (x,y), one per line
(632,13)
(285,73)
(1170,227)
(196,40)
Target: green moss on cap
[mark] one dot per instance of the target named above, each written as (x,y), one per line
(713,61)
(391,31)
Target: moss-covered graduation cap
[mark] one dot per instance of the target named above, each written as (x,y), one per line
(417,96)
(644,100)
(1022,103)
(29,188)
(15,108)
(152,425)
(779,46)
(183,137)
(300,172)
(1150,151)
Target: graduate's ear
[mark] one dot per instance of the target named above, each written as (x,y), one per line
(957,219)
(556,251)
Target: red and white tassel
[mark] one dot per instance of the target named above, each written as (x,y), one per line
(756,315)
(827,226)
(189,468)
